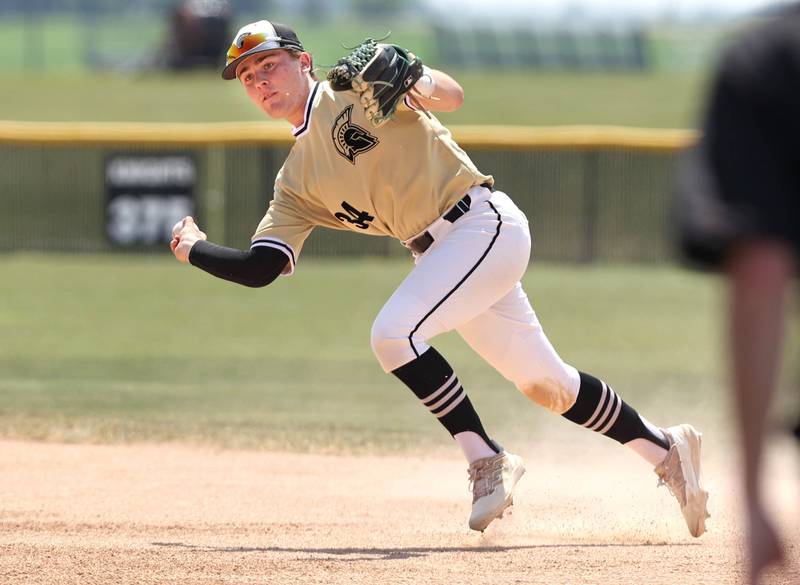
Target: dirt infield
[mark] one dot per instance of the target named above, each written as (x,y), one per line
(87,514)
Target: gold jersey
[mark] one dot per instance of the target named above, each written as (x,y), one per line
(343,173)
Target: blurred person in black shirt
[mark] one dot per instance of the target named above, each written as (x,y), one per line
(199,33)
(739,208)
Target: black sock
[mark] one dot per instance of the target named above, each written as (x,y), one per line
(600,409)
(433,381)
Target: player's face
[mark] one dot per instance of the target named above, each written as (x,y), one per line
(277,82)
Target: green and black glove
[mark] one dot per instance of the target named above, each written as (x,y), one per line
(381,74)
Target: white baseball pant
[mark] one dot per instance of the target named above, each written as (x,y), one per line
(468,280)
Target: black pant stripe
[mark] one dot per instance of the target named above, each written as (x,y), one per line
(460,282)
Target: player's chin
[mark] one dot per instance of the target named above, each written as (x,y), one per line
(273,107)
(270,112)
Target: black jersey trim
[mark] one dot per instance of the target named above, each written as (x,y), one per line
(278,245)
(307,117)
(460,282)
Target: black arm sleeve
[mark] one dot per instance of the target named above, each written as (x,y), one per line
(255,268)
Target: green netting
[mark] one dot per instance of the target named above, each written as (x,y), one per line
(583,204)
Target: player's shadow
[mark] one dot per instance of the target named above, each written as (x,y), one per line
(349,554)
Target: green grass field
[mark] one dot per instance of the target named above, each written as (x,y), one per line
(121,348)
(664,100)
(139,348)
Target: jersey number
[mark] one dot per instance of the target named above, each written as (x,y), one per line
(358,218)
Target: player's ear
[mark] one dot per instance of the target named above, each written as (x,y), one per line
(306,62)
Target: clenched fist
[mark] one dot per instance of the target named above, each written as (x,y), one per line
(185,234)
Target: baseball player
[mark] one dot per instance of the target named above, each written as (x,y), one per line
(369,157)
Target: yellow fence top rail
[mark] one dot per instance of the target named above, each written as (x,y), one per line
(562,137)
(516,137)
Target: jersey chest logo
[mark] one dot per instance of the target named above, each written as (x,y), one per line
(351,139)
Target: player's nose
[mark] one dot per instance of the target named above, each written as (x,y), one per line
(262,80)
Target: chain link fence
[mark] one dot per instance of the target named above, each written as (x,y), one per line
(603,197)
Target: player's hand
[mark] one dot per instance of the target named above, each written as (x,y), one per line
(185,234)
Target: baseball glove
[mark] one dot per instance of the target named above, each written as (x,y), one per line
(381,74)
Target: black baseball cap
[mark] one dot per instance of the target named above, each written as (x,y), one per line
(258,37)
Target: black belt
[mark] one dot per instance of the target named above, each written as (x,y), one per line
(422,242)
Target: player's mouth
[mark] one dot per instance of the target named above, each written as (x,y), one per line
(269,96)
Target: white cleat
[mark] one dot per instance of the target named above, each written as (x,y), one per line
(680,472)
(492,480)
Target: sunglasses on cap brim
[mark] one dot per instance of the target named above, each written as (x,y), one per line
(251,41)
